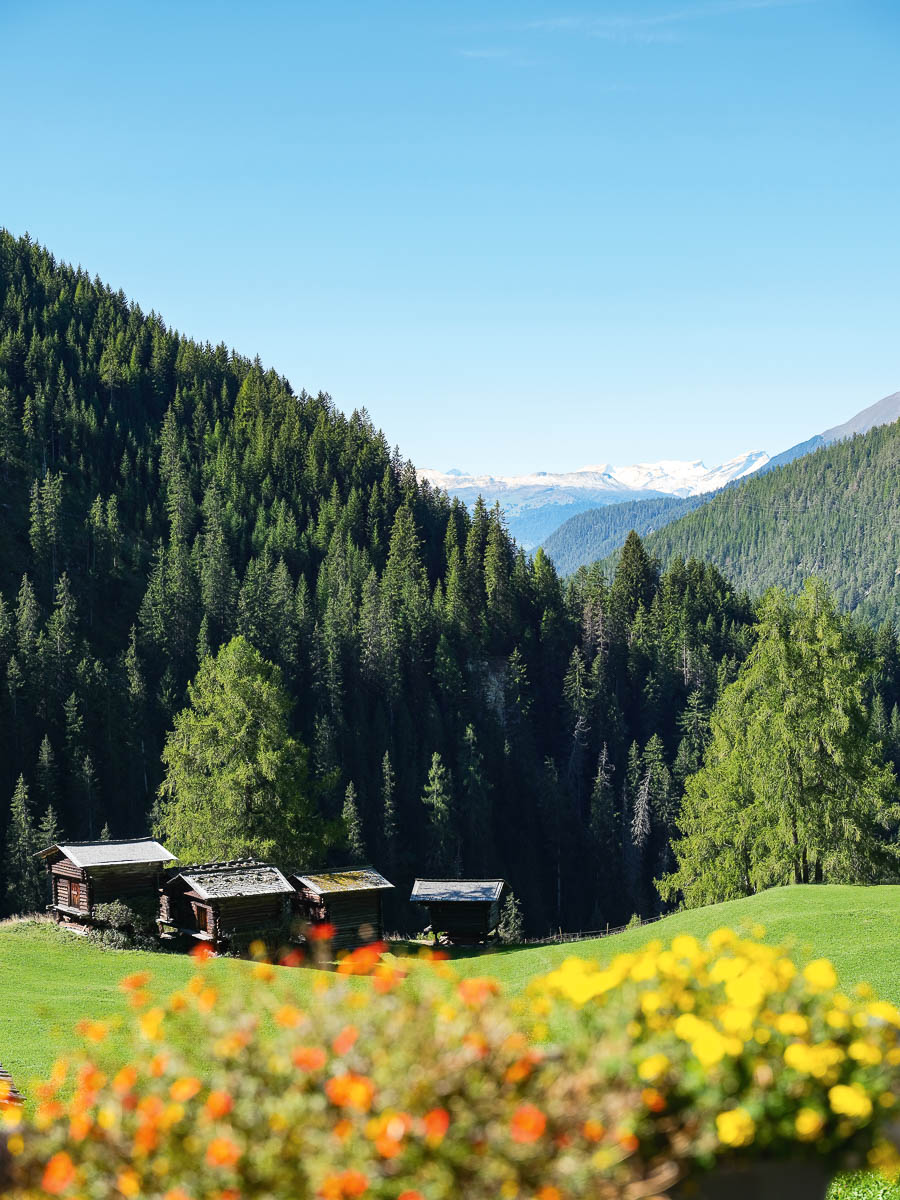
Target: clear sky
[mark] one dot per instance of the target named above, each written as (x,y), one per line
(523,235)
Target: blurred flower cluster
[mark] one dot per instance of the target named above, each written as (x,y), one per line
(410,1083)
(739,1052)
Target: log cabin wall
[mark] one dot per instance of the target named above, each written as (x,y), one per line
(463,921)
(356,917)
(243,914)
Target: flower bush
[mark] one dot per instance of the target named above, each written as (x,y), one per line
(412,1084)
(739,1052)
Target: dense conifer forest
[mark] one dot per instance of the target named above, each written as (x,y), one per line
(599,532)
(460,710)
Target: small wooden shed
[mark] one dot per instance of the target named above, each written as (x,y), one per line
(462,911)
(84,874)
(349,899)
(212,902)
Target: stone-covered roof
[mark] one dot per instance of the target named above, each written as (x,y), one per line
(238,877)
(349,879)
(111,854)
(431,891)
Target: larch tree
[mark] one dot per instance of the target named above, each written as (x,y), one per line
(792,789)
(236,783)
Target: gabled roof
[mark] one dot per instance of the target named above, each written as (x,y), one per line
(238,877)
(429,891)
(349,879)
(111,854)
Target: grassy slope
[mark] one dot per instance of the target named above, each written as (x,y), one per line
(48,979)
(857,928)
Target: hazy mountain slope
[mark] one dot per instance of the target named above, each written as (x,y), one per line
(883,412)
(600,531)
(834,513)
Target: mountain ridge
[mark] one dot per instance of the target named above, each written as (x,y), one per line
(538,502)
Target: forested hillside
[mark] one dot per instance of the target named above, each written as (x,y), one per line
(834,513)
(599,532)
(160,496)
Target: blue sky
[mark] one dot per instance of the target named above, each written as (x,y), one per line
(524,236)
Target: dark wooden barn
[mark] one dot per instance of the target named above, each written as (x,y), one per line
(349,899)
(215,901)
(462,911)
(84,874)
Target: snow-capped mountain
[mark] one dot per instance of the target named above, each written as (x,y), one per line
(537,504)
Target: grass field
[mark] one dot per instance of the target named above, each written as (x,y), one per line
(49,978)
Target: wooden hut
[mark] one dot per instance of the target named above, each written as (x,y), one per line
(350,900)
(462,911)
(84,874)
(213,902)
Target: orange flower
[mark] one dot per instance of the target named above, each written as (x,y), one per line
(593,1130)
(309,1058)
(345,1040)
(134,983)
(411,1196)
(128,1183)
(80,1126)
(436,1123)
(59,1174)
(528,1123)
(207,999)
(476,992)
(322,932)
(288,1016)
(363,960)
(351,1091)
(293,958)
(653,1099)
(218,1104)
(177,1193)
(264,971)
(158,1064)
(201,953)
(347,1183)
(549,1193)
(185,1089)
(93,1031)
(343,1129)
(627,1140)
(222,1152)
(519,1070)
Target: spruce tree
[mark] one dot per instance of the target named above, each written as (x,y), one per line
(24,875)
(437,801)
(353,833)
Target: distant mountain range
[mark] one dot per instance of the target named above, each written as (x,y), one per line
(537,504)
(598,532)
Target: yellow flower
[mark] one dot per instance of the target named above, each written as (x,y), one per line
(808,1124)
(653,1067)
(865,1053)
(882,1011)
(792,1024)
(735,1127)
(813,1060)
(820,975)
(837,1019)
(150,1022)
(850,1101)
